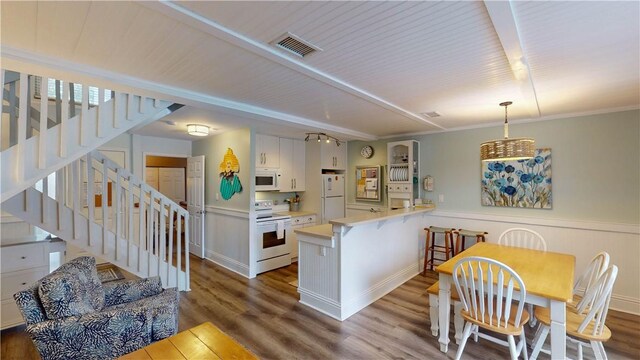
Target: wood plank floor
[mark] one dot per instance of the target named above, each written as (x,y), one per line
(264,315)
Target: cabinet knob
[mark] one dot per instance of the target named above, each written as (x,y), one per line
(24,283)
(23,257)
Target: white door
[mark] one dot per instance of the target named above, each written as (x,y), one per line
(195,204)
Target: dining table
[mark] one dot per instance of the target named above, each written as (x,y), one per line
(547,277)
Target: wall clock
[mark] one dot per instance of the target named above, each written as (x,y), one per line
(366,152)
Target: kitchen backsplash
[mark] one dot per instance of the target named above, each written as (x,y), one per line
(277,196)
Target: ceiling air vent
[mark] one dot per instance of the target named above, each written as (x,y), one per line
(431,114)
(295,45)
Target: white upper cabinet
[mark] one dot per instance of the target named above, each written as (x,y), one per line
(267,152)
(292,165)
(332,156)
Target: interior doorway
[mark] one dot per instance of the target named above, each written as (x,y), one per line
(167,174)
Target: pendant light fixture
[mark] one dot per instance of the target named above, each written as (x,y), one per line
(507,149)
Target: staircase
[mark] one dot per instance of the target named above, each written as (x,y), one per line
(53,178)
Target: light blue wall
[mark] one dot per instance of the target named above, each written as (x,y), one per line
(595,167)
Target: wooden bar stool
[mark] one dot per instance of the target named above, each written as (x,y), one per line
(461,234)
(447,249)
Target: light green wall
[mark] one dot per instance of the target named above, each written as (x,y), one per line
(354,159)
(595,167)
(214,148)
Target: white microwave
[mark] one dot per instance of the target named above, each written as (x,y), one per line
(267,180)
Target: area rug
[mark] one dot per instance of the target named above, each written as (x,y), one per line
(109,272)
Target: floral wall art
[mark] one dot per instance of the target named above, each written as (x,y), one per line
(519,183)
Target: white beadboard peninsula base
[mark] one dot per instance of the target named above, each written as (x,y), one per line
(348,264)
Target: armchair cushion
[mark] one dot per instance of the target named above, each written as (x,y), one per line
(63,295)
(126,291)
(100,335)
(164,312)
(72,289)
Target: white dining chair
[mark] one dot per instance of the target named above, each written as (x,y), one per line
(524,238)
(492,297)
(588,279)
(586,324)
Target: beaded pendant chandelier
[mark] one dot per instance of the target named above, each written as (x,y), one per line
(507,149)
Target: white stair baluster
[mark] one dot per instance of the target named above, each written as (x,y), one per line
(43,199)
(186,252)
(149,232)
(44,118)
(118,213)
(84,119)
(91,207)
(101,119)
(131,109)
(162,245)
(170,255)
(130,220)
(75,185)
(64,113)
(22,126)
(105,210)
(179,255)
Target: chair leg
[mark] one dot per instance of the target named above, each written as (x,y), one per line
(598,350)
(532,320)
(433,250)
(458,243)
(463,342)
(512,348)
(458,320)
(523,342)
(433,314)
(580,350)
(426,253)
(539,341)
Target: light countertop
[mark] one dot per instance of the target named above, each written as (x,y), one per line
(380,216)
(324,231)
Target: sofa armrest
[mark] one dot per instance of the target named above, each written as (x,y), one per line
(120,292)
(100,335)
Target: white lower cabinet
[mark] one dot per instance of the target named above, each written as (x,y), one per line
(299,222)
(22,265)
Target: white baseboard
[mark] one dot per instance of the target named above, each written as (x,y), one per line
(320,303)
(625,304)
(379,290)
(228,263)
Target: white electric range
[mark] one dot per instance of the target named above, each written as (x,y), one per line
(274,249)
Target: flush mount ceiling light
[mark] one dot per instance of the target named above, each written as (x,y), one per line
(507,149)
(318,136)
(197,130)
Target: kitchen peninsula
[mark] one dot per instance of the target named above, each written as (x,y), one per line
(351,262)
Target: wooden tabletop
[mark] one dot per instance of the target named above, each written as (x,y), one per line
(204,341)
(546,274)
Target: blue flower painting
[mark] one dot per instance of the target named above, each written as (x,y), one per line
(519,183)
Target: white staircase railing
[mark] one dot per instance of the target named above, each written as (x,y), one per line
(29,154)
(103,208)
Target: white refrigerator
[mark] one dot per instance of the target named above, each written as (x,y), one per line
(332,197)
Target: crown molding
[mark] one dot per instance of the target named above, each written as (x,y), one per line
(223,33)
(25,61)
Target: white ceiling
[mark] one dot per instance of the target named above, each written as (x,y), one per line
(382,64)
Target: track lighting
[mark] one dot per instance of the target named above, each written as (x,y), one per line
(328,139)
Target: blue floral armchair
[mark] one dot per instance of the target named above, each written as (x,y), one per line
(70,314)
